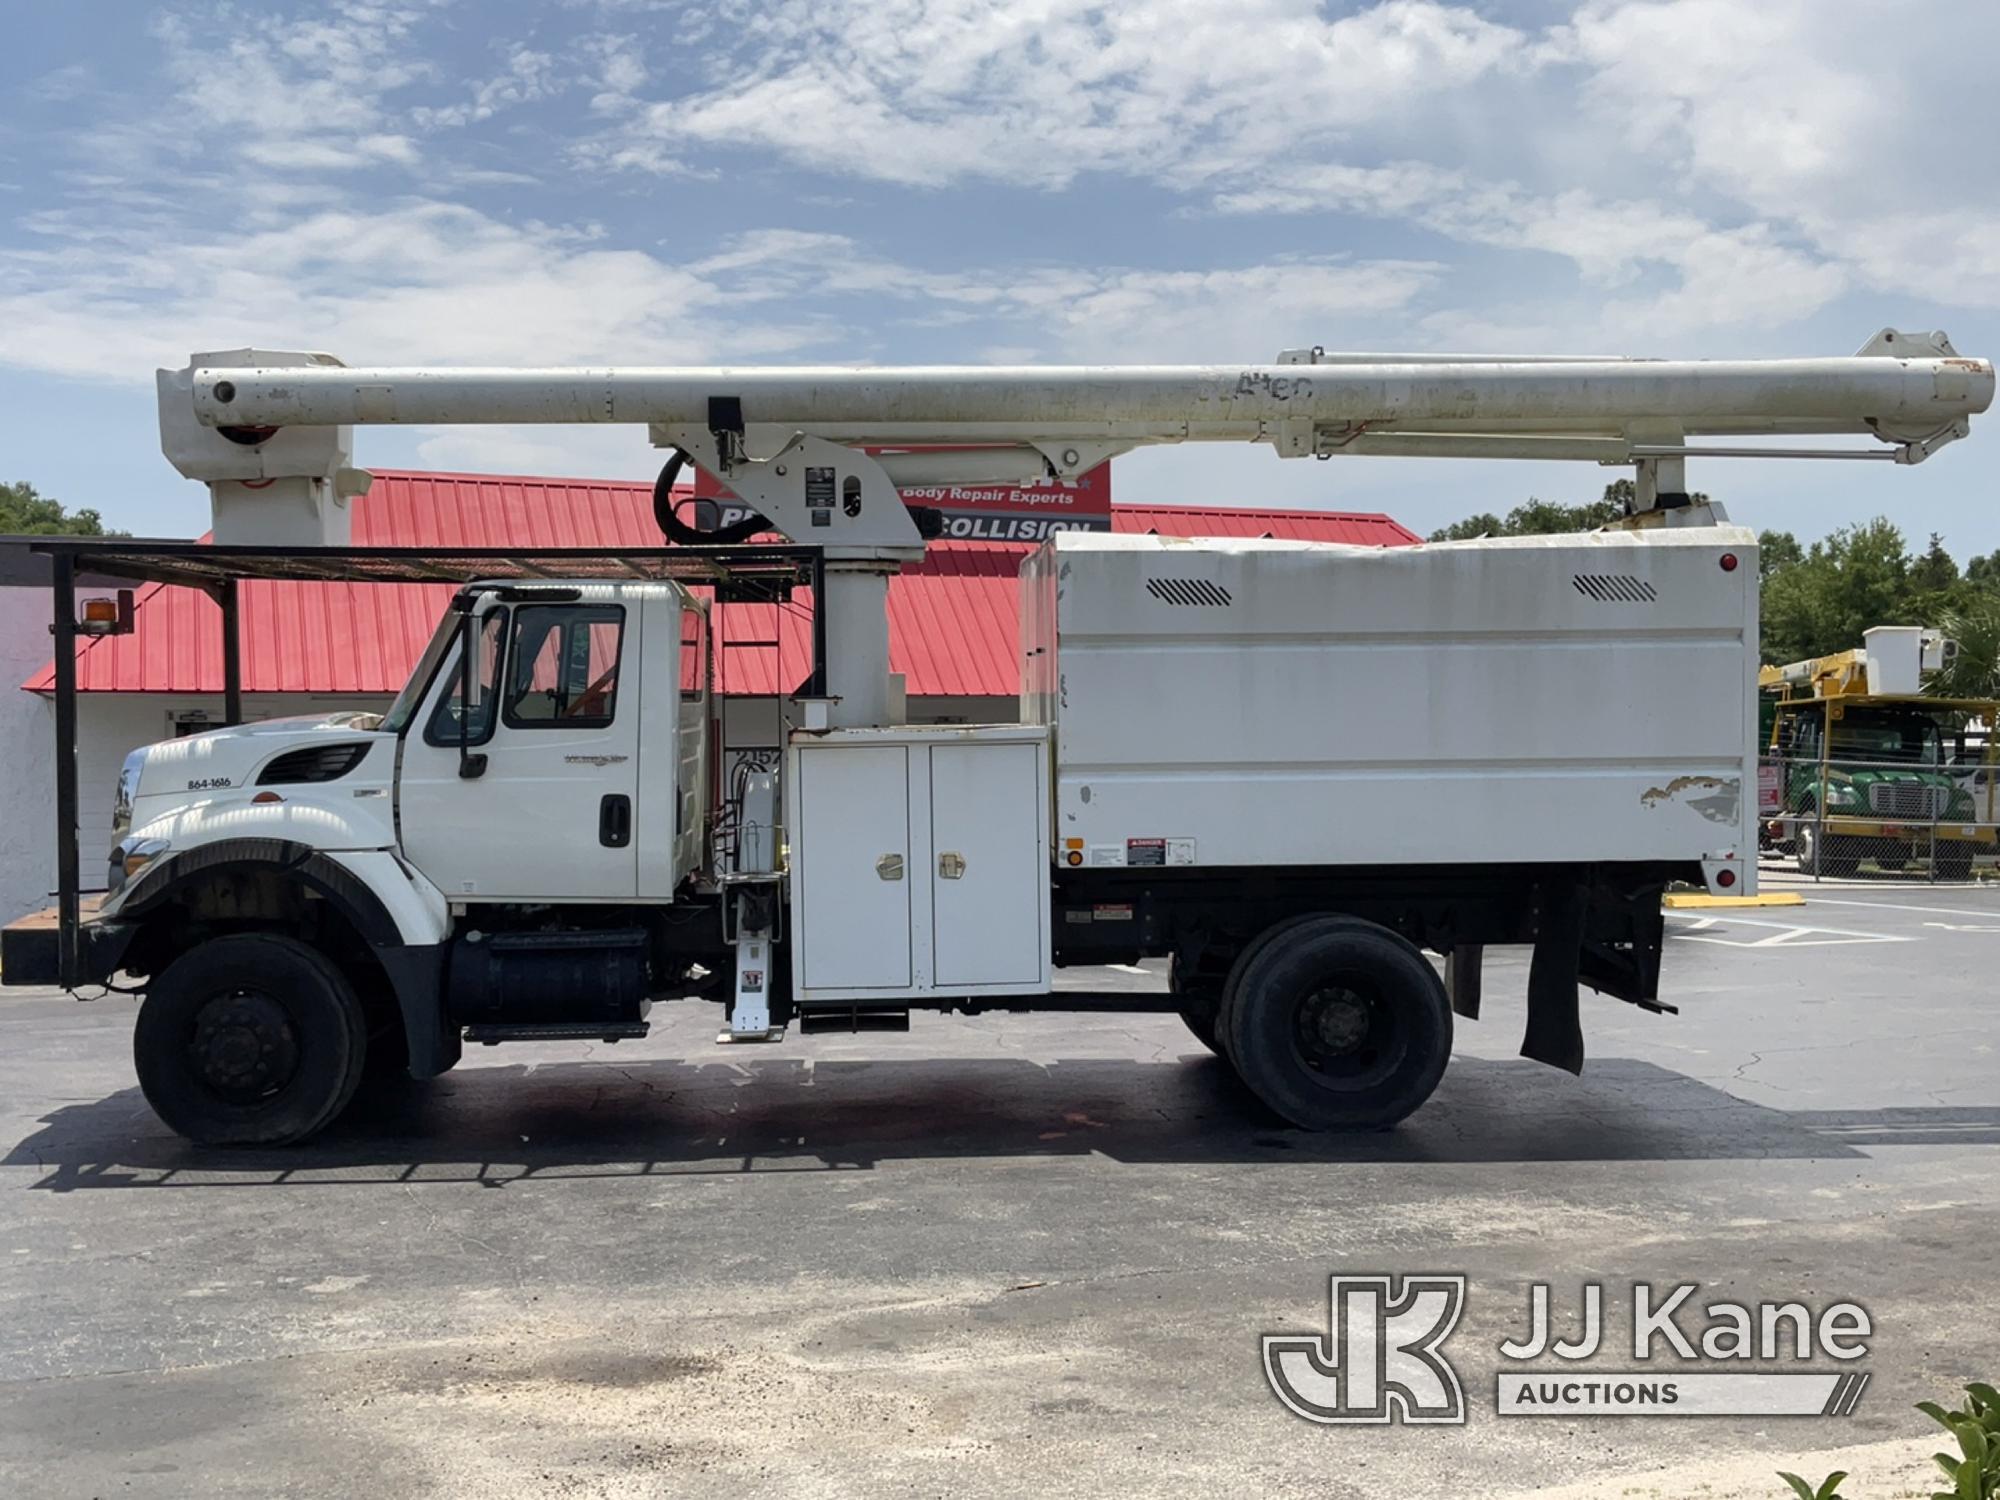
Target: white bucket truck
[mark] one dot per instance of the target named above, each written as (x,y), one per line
(1292,770)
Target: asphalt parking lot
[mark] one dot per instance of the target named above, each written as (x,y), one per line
(1009,1255)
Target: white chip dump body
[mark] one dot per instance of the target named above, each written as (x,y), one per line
(1245,703)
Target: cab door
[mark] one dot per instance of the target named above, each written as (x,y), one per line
(546,811)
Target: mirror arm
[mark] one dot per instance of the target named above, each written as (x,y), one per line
(470,766)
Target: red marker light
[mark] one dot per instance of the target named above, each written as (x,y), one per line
(1725,878)
(1729,562)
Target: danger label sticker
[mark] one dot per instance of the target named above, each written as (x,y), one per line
(1159,851)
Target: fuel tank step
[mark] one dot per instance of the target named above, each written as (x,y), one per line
(492,1033)
(822,1018)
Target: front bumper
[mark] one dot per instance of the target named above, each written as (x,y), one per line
(1913,831)
(29,953)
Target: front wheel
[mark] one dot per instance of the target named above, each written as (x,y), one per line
(1338,1024)
(254,1039)
(1820,853)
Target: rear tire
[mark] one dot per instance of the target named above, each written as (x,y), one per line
(254,1039)
(1952,864)
(1337,1024)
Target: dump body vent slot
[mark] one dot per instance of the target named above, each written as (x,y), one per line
(1615,588)
(313,763)
(1196,591)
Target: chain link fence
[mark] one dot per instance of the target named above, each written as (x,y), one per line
(1930,816)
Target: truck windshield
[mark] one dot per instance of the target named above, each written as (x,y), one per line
(1906,739)
(413,691)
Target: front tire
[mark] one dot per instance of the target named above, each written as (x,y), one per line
(254,1039)
(1337,1024)
(1823,854)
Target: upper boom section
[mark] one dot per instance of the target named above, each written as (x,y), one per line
(1903,399)
(787,439)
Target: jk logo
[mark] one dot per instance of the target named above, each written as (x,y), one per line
(1381,1361)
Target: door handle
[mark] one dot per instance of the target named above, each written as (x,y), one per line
(890,867)
(951,865)
(614,820)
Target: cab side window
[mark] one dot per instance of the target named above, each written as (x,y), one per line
(443,726)
(564,666)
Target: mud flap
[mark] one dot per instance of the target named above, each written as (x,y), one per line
(1555,1024)
(1462,978)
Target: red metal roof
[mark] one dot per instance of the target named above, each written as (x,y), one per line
(953,620)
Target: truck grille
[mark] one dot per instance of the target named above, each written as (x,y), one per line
(1908,799)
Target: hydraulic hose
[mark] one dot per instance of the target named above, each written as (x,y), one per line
(678,531)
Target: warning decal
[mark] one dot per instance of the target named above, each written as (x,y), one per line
(1159,851)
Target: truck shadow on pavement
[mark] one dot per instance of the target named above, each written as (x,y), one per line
(492,1125)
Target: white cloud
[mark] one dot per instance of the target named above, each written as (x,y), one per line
(427,283)
(936,91)
(528,75)
(1726,276)
(294,92)
(1804,114)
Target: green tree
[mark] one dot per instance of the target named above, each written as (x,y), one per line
(1934,572)
(1776,550)
(1983,572)
(1538,517)
(1974,623)
(1855,578)
(24,512)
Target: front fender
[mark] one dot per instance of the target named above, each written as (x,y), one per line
(401,915)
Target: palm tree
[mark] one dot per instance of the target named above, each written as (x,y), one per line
(1975,671)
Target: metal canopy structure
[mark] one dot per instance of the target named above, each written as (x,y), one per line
(206,565)
(751,572)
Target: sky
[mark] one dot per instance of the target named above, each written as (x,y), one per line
(949,181)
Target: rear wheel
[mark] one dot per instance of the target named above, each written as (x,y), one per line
(1337,1024)
(254,1039)
(1951,864)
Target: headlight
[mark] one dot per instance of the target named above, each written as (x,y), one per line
(129,857)
(1842,795)
(128,788)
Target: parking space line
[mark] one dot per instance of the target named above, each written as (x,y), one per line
(1783,934)
(1943,911)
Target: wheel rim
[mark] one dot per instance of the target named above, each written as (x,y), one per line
(244,1047)
(1346,1036)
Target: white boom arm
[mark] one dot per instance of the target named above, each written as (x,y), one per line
(775,433)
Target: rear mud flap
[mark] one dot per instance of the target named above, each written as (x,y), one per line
(1462,968)
(1555,1024)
